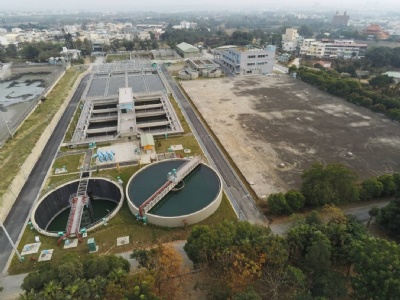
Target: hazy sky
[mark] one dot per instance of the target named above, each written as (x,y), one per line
(131,5)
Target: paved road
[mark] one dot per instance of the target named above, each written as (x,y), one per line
(281,68)
(358,209)
(235,190)
(15,221)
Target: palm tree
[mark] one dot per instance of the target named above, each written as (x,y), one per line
(52,290)
(72,291)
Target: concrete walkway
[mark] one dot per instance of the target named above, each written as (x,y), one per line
(12,286)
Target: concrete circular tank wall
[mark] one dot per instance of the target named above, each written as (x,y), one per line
(211,73)
(184,219)
(56,201)
(188,74)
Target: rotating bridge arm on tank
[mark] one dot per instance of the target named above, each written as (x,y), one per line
(172,181)
(77,202)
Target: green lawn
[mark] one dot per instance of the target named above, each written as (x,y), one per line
(71,162)
(187,140)
(72,124)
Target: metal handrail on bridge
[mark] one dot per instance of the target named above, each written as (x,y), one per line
(180,174)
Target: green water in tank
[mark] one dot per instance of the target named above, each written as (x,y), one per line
(101,208)
(200,189)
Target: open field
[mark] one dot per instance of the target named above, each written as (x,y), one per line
(265,121)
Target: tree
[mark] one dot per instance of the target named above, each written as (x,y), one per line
(165,265)
(379,56)
(72,279)
(237,255)
(333,184)
(12,51)
(371,188)
(376,268)
(295,200)
(389,216)
(373,212)
(277,204)
(381,81)
(249,294)
(389,186)
(306,31)
(29,52)
(292,69)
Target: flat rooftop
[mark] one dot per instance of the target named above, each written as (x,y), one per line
(125,95)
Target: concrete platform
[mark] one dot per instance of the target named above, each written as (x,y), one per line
(121,241)
(72,244)
(176,147)
(30,249)
(46,255)
(124,152)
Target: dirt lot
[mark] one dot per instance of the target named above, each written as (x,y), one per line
(265,121)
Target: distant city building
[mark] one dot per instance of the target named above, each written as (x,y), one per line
(144,35)
(246,60)
(340,21)
(185,25)
(374,31)
(70,53)
(291,40)
(333,48)
(16,30)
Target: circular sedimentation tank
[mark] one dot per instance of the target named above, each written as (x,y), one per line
(50,215)
(193,200)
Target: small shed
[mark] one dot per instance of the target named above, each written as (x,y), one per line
(147,142)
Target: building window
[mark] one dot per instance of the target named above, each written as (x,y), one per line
(248,72)
(261,56)
(250,64)
(251,56)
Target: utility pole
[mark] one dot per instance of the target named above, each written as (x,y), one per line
(12,243)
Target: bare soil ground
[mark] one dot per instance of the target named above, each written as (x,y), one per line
(265,121)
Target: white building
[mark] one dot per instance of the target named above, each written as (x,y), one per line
(332,49)
(185,25)
(291,40)
(247,61)
(70,53)
(144,35)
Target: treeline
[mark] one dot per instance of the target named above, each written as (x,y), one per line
(212,38)
(41,51)
(383,56)
(325,256)
(108,277)
(370,95)
(130,45)
(333,184)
